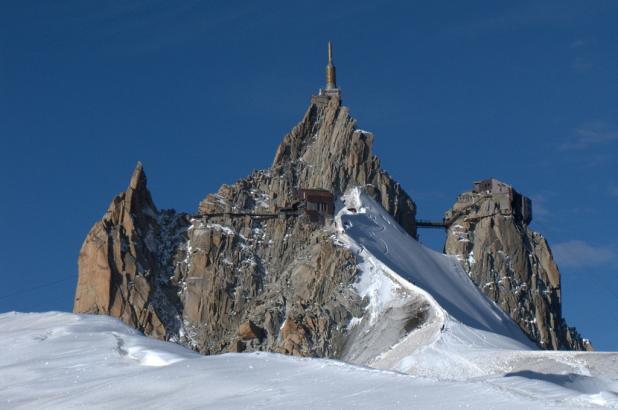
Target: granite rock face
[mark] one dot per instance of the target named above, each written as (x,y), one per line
(125,259)
(513,265)
(325,150)
(239,275)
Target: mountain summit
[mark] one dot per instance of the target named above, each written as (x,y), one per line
(254,268)
(314,256)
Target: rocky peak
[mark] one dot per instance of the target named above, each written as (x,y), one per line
(123,258)
(133,204)
(513,265)
(325,150)
(240,275)
(137,192)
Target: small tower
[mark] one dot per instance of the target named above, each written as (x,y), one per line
(331,80)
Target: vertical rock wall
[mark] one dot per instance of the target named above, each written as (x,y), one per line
(122,263)
(512,265)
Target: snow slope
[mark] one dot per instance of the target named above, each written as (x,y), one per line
(66,361)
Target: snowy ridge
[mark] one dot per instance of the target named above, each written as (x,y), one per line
(401,275)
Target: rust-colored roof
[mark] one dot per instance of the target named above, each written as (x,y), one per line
(316,194)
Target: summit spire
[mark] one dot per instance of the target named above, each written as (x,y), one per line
(331,78)
(331,81)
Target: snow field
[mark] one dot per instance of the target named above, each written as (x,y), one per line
(65,361)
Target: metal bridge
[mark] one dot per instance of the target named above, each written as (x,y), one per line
(446,223)
(421,223)
(239,215)
(280,213)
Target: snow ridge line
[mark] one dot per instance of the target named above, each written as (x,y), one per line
(351,199)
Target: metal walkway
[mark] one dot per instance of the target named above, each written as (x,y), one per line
(282,213)
(421,223)
(445,224)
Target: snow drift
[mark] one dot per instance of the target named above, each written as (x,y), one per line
(67,361)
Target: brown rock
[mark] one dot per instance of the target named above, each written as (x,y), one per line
(120,261)
(249,330)
(510,263)
(237,346)
(294,337)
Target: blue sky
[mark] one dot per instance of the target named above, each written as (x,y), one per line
(202,93)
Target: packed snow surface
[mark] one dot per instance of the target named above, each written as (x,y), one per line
(66,361)
(428,339)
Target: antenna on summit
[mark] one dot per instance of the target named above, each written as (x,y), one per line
(331,77)
(331,80)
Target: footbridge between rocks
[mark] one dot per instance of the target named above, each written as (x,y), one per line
(257,215)
(422,223)
(446,223)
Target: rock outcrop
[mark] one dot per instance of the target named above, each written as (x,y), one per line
(240,275)
(125,259)
(513,265)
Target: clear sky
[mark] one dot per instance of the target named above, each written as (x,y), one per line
(202,93)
